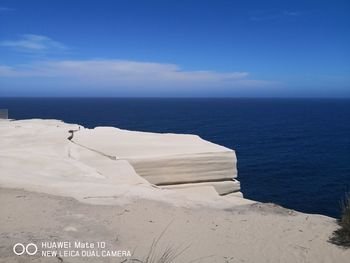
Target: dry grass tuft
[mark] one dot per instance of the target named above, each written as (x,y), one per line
(167,256)
(341,236)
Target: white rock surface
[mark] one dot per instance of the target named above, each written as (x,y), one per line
(166,159)
(38,156)
(223,188)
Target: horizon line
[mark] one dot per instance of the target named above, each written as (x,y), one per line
(163,97)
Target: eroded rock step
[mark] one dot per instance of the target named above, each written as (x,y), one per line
(168,160)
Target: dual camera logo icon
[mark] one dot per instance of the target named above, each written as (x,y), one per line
(30,249)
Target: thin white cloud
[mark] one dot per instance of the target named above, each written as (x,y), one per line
(33,43)
(5,9)
(291,13)
(119,76)
(262,15)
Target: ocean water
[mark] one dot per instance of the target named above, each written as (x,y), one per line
(293,152)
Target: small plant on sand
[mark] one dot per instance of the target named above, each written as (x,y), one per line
(167,256)
(341,236)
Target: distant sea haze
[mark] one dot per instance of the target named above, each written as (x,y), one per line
(293,152)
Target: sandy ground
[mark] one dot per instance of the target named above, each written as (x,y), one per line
(247,233)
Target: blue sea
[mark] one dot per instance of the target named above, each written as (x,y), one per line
(293,152)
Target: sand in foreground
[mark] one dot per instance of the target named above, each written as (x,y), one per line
(248,233)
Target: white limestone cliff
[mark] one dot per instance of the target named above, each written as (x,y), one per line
(97,165)
(171,160)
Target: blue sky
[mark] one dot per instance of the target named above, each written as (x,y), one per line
(175,48)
